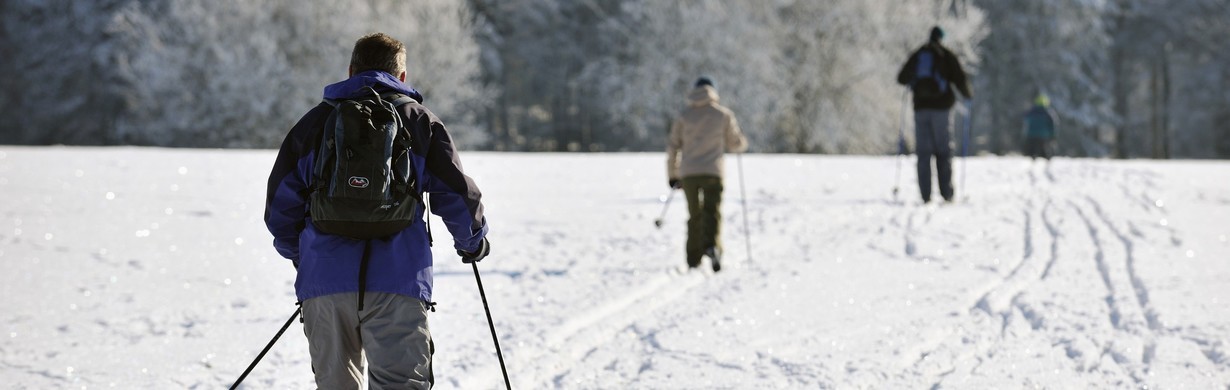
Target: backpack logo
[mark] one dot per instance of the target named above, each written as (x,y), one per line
(359,182)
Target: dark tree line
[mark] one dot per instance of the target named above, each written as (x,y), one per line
(1129,78)
(207,73)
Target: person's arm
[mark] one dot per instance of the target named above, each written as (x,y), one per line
(287,190)
(906,76)
(735,141)
(674,146)
(1054,122)
(958,76)
(454,195)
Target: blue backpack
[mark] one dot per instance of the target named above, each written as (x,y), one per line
(928,82)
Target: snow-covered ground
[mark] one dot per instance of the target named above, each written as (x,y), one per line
(151,268)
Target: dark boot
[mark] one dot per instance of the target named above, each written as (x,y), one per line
(715,254)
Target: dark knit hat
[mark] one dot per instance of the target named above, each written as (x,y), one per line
(937,34)
(703,81)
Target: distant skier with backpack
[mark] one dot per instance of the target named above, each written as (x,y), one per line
(345,205)
(933,72)
(699,137)
(1040,124)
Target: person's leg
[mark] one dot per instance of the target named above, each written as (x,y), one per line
(942,126)
(397,341)
(331,325)
(695,246)
(923,148)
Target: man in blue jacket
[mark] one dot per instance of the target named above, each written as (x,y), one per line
(389,326)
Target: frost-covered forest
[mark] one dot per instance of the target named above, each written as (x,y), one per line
(1129,78)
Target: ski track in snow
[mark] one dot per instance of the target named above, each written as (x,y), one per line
(1132,316)
(1063,274)
(588,330)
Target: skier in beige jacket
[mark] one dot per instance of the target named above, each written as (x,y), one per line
(703,132)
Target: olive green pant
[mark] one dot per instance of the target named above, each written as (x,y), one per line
(704,195)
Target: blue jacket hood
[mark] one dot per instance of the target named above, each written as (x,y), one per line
(381,81)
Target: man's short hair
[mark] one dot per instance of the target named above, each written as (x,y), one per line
(378,51)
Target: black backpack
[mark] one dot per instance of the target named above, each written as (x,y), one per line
(928,82)
(363,184)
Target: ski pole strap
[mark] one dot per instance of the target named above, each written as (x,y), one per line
(427,211)
(367,250)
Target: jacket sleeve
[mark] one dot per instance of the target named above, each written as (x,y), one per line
(1050,113)
(735,141)
(454,196)
(957,75)
(904,76)
(674,146)
(286,193)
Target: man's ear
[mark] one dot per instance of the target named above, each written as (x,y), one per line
(402,76)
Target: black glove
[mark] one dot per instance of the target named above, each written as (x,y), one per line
(477,255)
(675,184)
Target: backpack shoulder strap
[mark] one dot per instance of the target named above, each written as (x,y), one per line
(396,98)
(325,149)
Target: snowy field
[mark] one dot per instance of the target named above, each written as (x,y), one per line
(151,268)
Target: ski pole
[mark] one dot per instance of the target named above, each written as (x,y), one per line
(969,117)
(658,222)
(491,324)
(747,232)
(267,347)
(900,142)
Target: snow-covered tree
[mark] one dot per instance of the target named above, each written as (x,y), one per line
(1056,47)
(223,73)
(801,76)
(1129,78)
(841,60)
